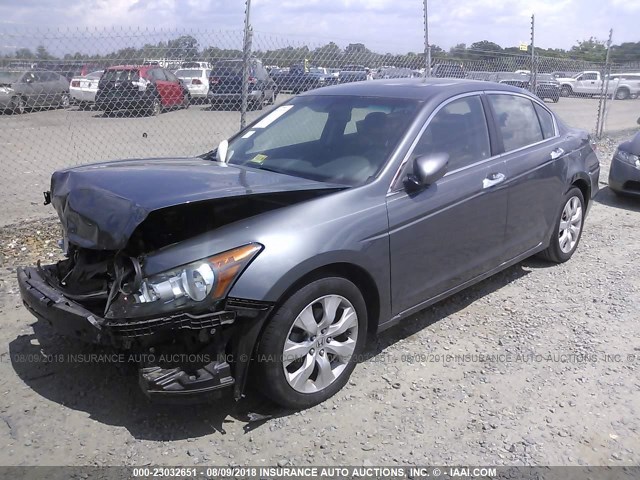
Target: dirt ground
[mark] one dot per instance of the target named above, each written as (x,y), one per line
(538,365)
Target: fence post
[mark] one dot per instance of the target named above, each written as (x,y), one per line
(604,87)
(534,72)
(427,47)
(246,58)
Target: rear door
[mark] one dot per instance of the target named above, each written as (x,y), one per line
(452,231)
(159,79)
(534,153)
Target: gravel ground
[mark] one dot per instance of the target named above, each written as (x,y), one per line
(551,378)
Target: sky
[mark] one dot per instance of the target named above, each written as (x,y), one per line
(394,26)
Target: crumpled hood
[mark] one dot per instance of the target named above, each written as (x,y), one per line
(100,205)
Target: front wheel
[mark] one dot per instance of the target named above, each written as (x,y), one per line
(18,105)
(310,346)
(568,228)
(565,91)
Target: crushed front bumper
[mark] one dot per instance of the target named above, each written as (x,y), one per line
(216,369)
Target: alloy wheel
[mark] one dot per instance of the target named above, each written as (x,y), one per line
(320,344)
(570,224)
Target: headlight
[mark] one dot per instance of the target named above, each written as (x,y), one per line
(627,157)
(196,284)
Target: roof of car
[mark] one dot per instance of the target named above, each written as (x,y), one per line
(416,88)
(133,67)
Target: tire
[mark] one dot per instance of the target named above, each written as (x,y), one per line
(186,100)
(555,99)
(155,108)
(566,91)
(622,94)
(65,101)
(559,250)
(18,105)
(318,371)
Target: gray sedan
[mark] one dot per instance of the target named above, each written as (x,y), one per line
(331,218)
(25,89)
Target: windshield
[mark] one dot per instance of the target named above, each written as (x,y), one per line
(336,139)
(9,77)
(228,68)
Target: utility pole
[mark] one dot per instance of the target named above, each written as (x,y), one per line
(533,55)
(246,57)
(427,47)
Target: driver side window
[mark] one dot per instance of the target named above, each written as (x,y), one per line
(460,130)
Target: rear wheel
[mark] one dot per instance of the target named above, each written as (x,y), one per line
(568,228)
(156,107)
(186,100)
(622,94)
(310,346)
(65,100)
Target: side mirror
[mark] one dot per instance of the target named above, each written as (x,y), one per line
(221,152)
(427,169)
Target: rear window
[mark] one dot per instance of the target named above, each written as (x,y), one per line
(227,68)
(121,76)
(189,73)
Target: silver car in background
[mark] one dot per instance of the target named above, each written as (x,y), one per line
(196,80)
(27,89)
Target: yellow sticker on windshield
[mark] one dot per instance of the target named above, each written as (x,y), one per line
(259,158)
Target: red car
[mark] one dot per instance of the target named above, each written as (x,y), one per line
(145,88)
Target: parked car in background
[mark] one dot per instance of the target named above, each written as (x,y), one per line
(547,87)
(22,90)
(225,85)
(297,80)
(354,73)
(140,88)
(337,215)
(69,70)
(590,82)
(204,65)
(563,74)
(624,173)
(83,89)
(196,81)
(448,70)
(395,72)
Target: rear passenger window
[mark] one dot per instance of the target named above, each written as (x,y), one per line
(517,121)
(546,121)
(460,130)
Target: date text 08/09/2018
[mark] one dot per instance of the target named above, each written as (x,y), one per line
(314,472)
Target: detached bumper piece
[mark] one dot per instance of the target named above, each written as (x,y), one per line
(169,385)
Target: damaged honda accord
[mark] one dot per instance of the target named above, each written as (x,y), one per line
(327,220)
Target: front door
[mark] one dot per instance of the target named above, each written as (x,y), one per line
(452,231)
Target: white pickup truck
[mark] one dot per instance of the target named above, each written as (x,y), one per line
(621,85)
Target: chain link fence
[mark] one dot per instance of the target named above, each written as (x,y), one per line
(71,97)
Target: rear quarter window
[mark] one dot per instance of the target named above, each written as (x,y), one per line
(546,122)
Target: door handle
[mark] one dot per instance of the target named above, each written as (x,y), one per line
(557,153)
(493,179)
